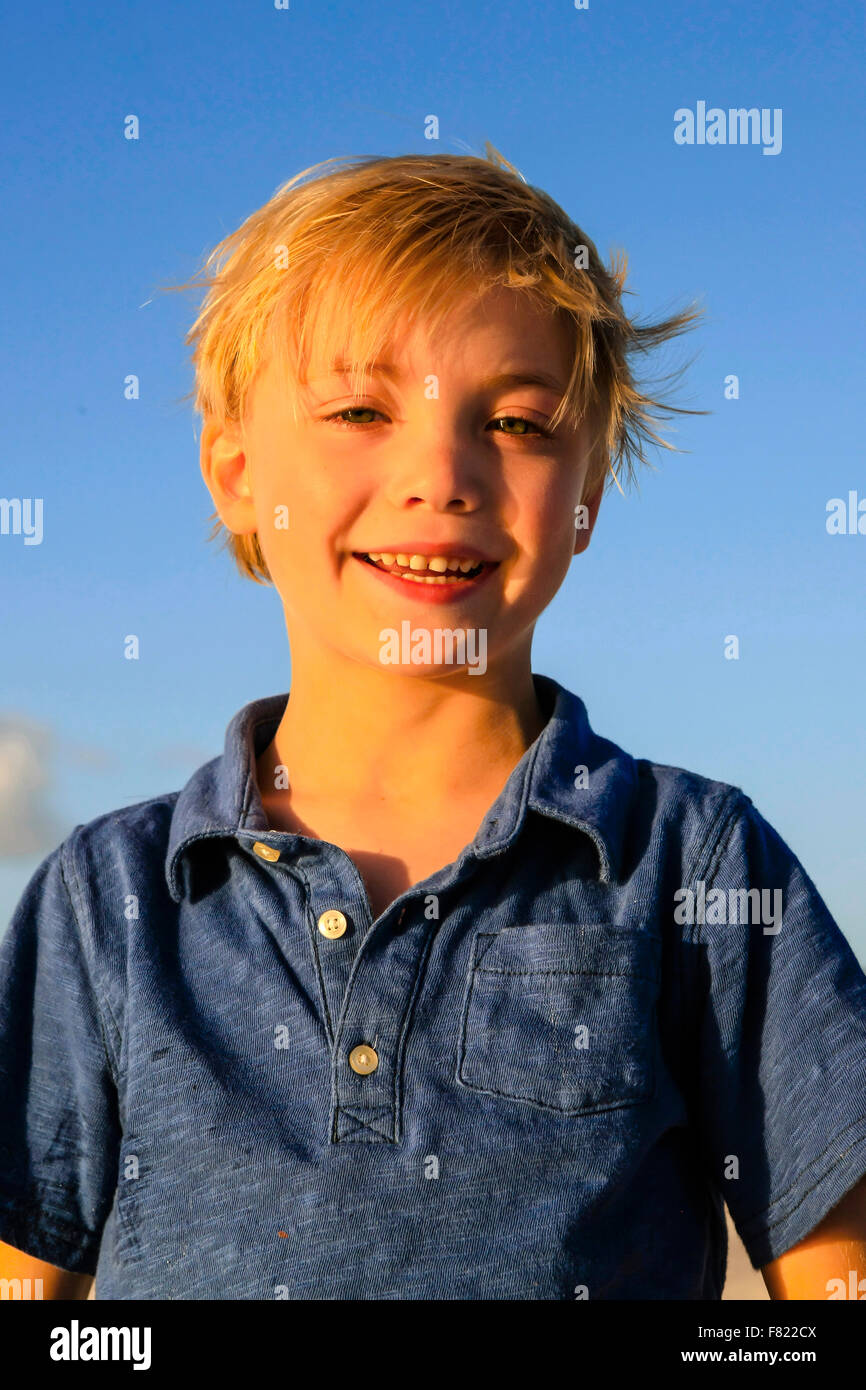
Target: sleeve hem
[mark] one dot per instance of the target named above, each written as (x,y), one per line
(823,1184)
(36,1232)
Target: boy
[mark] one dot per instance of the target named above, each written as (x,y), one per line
(423,988)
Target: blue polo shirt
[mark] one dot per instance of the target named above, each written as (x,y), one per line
(535,1076)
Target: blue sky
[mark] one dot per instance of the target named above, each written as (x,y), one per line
(234,99)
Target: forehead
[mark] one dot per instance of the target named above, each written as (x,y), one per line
(479,336)
(500,322)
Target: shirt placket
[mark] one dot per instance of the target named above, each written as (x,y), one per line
(338,918)
(367,1063)
(369,976)
(370,973)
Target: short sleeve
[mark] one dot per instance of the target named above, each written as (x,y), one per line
(59,1128)
(780,1078)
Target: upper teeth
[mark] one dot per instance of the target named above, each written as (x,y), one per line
(438,563)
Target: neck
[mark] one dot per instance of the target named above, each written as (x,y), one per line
(351,733)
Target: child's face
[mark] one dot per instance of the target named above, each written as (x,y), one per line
(424,468)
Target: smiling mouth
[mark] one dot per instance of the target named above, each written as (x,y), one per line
(424,569)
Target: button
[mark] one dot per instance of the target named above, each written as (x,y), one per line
(332,923)
(363,1059)
(266,852)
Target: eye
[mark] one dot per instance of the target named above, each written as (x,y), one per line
(338,416)
(519,420)
(525,427)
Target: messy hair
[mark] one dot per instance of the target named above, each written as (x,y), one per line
(347,248)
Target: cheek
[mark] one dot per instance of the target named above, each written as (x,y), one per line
(303,511)
(547,520)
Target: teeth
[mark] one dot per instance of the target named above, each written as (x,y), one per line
(439,564)
(429,579)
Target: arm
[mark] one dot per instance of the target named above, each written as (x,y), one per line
(835,1247)
(780,1063)
(59,1117)
(56,1283)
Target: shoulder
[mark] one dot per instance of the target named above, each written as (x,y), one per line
(120,841)
(688,809)
(644,815)
(110,871)
(98,855)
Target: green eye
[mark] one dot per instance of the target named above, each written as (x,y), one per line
(340,417)
(519,420)
(524,427)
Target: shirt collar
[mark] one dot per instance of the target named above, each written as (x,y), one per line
(222,797)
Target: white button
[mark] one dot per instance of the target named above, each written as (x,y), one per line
(332,923)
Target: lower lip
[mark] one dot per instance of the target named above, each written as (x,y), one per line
(430,593)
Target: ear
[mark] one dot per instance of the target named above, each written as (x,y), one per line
(585,519)
(226,473)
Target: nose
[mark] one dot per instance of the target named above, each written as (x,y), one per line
(439,469)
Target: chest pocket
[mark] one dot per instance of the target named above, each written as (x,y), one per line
(562,1015)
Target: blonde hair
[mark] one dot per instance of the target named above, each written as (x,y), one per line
(347,253)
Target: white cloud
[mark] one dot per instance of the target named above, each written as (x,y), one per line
(28,824)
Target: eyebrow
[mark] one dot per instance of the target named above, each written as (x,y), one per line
(501,381)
